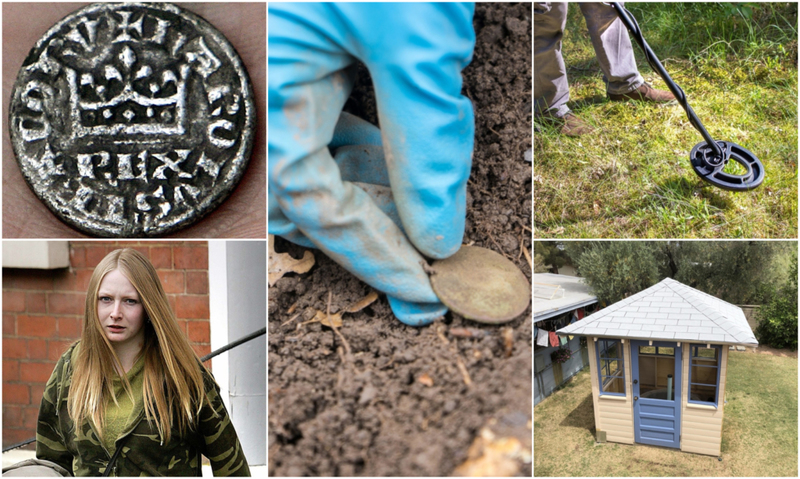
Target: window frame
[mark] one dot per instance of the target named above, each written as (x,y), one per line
(692,357)
(608,343)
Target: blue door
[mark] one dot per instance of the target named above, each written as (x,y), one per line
(656,393)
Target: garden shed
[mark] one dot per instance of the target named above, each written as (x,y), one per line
(658,363)
(559,300)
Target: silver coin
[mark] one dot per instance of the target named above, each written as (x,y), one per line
(132,120)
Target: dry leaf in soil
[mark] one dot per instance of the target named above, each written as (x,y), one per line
(281,263)
(322,318)
(508,340)
(363,302)
(336,319)
(490,455)
(425,380)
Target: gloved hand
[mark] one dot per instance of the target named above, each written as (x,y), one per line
(388,195)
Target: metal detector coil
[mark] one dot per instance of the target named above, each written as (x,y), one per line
(708,157)
(709,166)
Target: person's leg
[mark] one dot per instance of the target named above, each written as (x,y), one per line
(550,87)
(613,48)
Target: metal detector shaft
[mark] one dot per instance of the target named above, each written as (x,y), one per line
(633,27)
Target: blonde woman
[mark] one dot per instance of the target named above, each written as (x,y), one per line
(131,397)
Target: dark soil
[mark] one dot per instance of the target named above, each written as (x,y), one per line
(366,412)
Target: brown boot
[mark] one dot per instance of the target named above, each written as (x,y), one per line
(571,125)
(648,94)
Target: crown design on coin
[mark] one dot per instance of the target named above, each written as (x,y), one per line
(119,83)
(115,103)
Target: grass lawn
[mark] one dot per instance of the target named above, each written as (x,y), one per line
(759,436)
(632,178)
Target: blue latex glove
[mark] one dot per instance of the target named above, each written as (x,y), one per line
(389,195)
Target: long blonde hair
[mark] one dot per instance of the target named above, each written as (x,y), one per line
(173,378)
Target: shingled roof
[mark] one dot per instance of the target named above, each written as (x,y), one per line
(668,310)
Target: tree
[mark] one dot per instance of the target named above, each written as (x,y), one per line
(616,269)
(552,254)
(740,272)
(734,271)
(539,265)
(777,319)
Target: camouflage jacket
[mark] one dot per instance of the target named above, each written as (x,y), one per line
(78,449)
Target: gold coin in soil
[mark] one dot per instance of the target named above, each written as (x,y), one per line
(481,285)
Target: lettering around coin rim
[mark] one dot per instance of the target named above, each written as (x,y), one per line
(132,120)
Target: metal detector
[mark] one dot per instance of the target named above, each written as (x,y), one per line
(708,157)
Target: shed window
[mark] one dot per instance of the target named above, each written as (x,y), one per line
(611,367)
(656,370)
(704,375)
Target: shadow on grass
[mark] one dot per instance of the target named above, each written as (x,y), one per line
(685,196)
(680,190)
(582,416)
(587,102)
(717,197)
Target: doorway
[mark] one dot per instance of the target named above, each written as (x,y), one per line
(656,392)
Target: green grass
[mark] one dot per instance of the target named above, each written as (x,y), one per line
(760,423)
(632,177)
(759,431)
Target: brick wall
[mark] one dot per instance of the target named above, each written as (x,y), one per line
(43,313)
